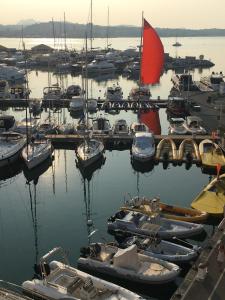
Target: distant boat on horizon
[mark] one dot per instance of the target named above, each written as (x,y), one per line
(177,44)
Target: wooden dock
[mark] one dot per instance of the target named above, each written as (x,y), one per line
(212,287)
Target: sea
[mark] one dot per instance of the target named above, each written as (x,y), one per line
(59,205)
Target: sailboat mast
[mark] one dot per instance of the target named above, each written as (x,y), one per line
(64,27)
(141,45)
(86,84)
(53,31)
(91,26)
(107,32)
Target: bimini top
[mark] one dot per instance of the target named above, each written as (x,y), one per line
(144,134)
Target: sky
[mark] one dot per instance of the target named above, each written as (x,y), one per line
(160,13)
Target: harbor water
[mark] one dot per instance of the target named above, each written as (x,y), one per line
(55,204)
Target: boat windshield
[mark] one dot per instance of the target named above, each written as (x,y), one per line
(144,142)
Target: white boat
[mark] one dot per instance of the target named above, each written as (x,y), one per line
(121,127)
(76,104)
(100,65)
(138,127)
(52,93)
(127,264)
(161,249)
(141,93)
(11,73)
(114,93)
(130,222)
(36,152)
(89,151)
(193,125)
(213,81)
(4,89)
(177,126)
(65,282)
(11,144)
(143,147)
(101,125)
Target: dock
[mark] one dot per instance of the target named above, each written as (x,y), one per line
(211,287)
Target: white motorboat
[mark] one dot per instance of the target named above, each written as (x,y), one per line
(213,81)
(101,125)
(143,147)
(52,93)
(114,93)
(161,249)
(11,73)
(89,151)
(177,126)
(36,152)
(131,222)
(76,104)
(100,65)
(4,89)
(127,264)
(65,282)
(11,144)
(120,127)
(138,127)
(193,125)
(141,93)
(73,90)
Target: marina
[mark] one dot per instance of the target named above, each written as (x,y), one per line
(111,172)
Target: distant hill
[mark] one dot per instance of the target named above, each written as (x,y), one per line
(26,22)
(74,30)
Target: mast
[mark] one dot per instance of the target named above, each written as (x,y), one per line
(64,28)
(141,45)
(107,31)
(53,31)
(91,26)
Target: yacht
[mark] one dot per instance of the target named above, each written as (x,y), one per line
(141,93)
(11,73)
(89,151)
(11,144)
(143,147)
(101,125)
(193,125)
(177,126)
(184,82)
(114,93)
(121,127)
(52,93)
(213,81)
(100,65)
(4,89)
(59,280)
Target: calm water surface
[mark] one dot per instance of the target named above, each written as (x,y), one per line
(50,207)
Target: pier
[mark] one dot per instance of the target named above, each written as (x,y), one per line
(211,287)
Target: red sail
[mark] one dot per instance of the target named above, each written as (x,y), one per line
(152,55)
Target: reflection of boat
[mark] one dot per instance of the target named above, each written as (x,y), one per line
(120,127)
(188,151)
(150,206)
(138,127)
(7,122)
(212,198)
(77,103)
(4,89)
(177,106)
(11,145)
(127,264)
(151,119)
(101,125)
(213,81)
(35,173)
(52,93)
(166,150)
(141,93)
(132,222)
(193,125)
(114,93)
(183,82)
(61,280)
(143,147)
(211,154)
(73,90)
(142,168)
(177,126)
(7,172)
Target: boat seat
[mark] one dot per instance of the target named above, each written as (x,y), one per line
(77,282)
(88,290)
(151,269)
(149,226)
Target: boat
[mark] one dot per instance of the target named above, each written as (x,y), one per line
(212,198)
(151,206)
(120,127)
(89,151)
(166,150)
(211,154)
(143,146)
(161,249)
(138,127)
(4,89)
(177,44)
(11,145)
(77,103)
(114,93)
(127,264)
(29,125)
(188,151)
(132,222)
(177,106)
(101,125)
(52,93)
(213,81)
(193,125)
(184,83)
(92,105)
(36,152)
(62,281)
(100,65)
(141,93)
(10,292)
(177,126)
(73,90)
(11,73)
(7,123)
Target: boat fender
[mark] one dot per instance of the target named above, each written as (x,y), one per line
(165,156)
(189,157)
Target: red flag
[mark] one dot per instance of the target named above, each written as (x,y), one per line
(218,168)
(152,60)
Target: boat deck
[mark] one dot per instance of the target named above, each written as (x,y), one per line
(212,287)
